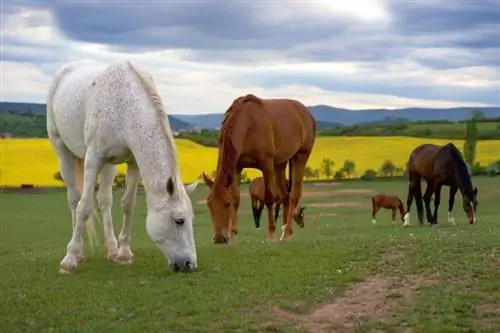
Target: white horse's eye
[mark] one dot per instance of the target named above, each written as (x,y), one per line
(179,221)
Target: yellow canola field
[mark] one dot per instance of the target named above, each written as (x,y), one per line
(33,161)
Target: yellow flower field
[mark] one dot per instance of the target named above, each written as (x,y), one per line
(33,161)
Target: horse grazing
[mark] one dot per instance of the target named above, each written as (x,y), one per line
(439,166)
(100,115)
(264,134)
(257,195)
(388,202)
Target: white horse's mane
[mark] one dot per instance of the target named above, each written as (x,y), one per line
(148,84)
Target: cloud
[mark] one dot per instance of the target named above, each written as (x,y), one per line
(203,54)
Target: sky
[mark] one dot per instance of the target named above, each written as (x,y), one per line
(204,54)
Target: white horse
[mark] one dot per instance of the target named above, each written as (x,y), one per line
(100,115)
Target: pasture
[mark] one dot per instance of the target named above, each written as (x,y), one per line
(341,274)
(33,161)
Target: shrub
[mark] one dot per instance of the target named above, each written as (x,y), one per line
(369,174)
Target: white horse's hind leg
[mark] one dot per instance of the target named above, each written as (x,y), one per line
(125,254)
(67,169)
(92,168)
(105,200)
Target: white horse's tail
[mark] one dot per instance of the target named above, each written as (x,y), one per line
(90,223)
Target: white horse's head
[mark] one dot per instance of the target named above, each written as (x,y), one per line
(170,226)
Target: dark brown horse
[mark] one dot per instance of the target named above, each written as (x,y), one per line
(268,135)
(388,202)
(257,191)
(439,166)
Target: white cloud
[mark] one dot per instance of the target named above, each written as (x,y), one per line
(190,87)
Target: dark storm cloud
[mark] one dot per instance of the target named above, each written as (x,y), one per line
(228,30)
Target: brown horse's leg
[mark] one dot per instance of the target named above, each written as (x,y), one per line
(280,179)
(235,190)
(451,203)
(414,192)
(394,215)
(437,201)
(375,209)
(298,163)
(269,196)
(427,201)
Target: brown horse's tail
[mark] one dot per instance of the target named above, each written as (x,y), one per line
(90,223)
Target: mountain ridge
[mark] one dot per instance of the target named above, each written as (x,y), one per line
(326,116)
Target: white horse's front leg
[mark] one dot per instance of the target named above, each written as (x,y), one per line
(125,254)
(92,168)
(67,168)
(105,199)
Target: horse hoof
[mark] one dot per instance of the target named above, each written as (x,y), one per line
(67,265)
(374,221)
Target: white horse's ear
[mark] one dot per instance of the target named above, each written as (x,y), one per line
(191,187)
(170,186)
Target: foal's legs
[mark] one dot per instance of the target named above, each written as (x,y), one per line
(269,196)
(277,210)
(105,200)
(92,167)
(280,180)
(451,203)
(125,255)
(393,215)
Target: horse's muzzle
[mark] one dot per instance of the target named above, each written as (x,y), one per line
(221,240)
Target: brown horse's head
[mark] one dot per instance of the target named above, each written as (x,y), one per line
(298,216)
(470,206)
(222,211)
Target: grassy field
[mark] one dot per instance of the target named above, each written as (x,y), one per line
(33,161)
(341,274)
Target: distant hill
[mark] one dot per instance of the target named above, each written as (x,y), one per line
(326,116)
(338,117)
(40,109)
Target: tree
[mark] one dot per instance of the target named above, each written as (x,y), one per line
(369,174)
(339,174)
(317,173)
(349,167)
(327,167)
(388,169)
(470,143)
(308,172)
(478,115)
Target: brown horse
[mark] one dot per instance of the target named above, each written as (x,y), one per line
(439,166)
(388,202)
(257,192)
(268,135)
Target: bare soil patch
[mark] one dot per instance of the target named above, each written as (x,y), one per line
(370,299)
(490,313)
(337,204)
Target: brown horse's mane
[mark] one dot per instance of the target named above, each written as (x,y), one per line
(228,153)
(464,180)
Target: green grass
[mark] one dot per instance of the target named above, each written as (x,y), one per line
(237,286)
